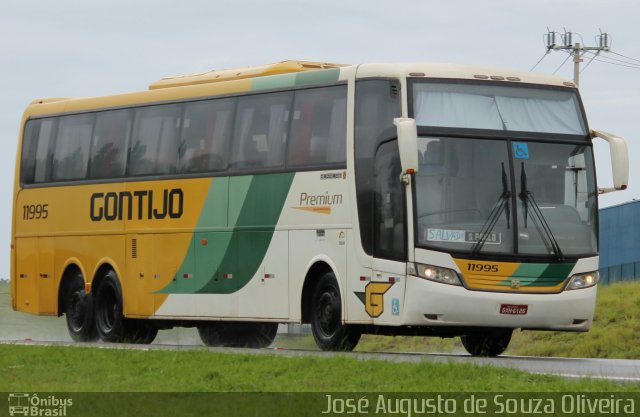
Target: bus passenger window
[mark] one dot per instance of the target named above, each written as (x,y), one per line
(42,171)
(154,146)
(71,152)
(260,133)
(206,134)
(318,129)
(110,142)
(29,146)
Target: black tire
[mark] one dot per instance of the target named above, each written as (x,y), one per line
(78,307)
(111,325)
(237,334)
(108,310)
(326,317)
(139,331)
(490,344)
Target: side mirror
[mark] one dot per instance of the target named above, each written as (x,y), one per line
(619,160)
(407,144)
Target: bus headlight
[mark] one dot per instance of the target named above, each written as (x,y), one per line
(586,280)
(434,273)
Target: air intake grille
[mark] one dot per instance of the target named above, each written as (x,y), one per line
(134,248)
(395,89)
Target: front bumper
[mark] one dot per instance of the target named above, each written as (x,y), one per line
(433,304)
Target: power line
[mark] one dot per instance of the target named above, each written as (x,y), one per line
(620,65)
(556,41)
(563,62)
(590,61)
(539,61)
(613,61)
(624,56)
(577,49)
(620,60)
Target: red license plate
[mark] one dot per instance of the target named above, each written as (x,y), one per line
(515,309)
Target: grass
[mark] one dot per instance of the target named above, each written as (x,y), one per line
(615,334)
(69,369)
(77,368)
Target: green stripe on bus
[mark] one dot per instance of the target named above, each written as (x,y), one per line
(252,234)
(555,270)
(540,275)
(201,258)
(553,275)
(317,77)
(231,257)
(273,82)
(530,270)
(299,79)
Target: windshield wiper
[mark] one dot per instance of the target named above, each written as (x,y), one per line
(501,205)
(538,219)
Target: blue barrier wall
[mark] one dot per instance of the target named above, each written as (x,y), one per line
(620,243)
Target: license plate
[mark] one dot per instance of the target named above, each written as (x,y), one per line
(514,309)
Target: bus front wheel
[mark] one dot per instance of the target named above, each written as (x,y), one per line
(326,317)
(79,311)
(487,345)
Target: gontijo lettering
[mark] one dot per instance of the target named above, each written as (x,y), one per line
(137,204)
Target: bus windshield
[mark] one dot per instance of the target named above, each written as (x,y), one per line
(508,170)
(498,107)
(472,197)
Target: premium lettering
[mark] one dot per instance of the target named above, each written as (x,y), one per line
(325,199)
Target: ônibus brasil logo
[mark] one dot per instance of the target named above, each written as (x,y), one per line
(23,404)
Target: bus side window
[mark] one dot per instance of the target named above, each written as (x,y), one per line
(206,135)
(260,132)
(377,102)
(154,145)
(42,171)
(110,142)
(71,150)
(29,147)
(389,233)
(318,129)
(431,182)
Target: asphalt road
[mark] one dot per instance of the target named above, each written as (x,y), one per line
(610,369)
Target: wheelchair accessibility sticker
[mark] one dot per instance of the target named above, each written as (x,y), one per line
(395,306)
(520,150)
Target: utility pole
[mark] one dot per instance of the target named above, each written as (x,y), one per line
(577,49)
(577,59)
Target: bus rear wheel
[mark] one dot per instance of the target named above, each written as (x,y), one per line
(326,317)
(79,311)
(490,344)
(238,334)
(111,325)
(109,317)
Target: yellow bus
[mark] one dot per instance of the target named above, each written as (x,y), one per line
(417,199)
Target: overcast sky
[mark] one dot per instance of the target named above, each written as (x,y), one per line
(67,48)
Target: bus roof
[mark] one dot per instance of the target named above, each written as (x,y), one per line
(284,67)
(459,71)
(285,73)
(432,70)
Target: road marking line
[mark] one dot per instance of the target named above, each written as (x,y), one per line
(610,378)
